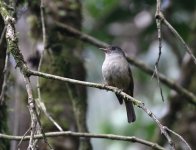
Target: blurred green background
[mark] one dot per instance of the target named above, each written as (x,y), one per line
(129,24)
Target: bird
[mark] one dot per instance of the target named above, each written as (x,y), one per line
(116,72)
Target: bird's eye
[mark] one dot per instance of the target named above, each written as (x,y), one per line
(113,48)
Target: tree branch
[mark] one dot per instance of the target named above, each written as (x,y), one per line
(87,135)
(156,68)
(141,65)
(41,103)
(14,50)
(191,97)
(110,88)
(177,35)
(5,79)
(180,137)
(84,83)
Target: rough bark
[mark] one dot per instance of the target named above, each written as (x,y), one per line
(66,103)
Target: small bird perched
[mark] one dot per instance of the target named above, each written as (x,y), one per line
(116,72)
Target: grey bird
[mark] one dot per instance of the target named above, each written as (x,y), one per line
(116,72)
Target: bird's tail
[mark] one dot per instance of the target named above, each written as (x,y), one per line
(130,111)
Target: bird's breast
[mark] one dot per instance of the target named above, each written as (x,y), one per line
(115,71)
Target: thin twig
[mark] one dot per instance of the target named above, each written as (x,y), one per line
(2,35)
(42,53)
(4,85)
(23,137)
(156,73)
(5,79)
(158,22)
(161,127)
(43,108)
(177,35)
(191,97)
(41,104)
(179,136)
(31,106)
(88,135)
(39,126)
(41,130)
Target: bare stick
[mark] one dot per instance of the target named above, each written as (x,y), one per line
(39,126)
(170,83)
(177,35)
(156,72)
(5,78)
(5,71)
(23,137)
(88,135)
(161,127)
(158,22)
(179,136)
(2,35)
(31,106)
(41,104)
(141,65)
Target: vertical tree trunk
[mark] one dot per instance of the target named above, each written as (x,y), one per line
(67,103)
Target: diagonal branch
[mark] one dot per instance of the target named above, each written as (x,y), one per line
(177,35)
(88,135)
(84,83)
(113,89)
(191,97)
(14,50)
(179,38)
(180,137)
(162,128)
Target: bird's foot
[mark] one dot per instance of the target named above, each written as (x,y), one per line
(119,91)
(105,85)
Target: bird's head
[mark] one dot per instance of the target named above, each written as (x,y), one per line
(112,49)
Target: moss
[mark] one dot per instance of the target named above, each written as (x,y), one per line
(3,10)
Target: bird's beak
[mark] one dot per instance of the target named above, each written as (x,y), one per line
(104,49)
